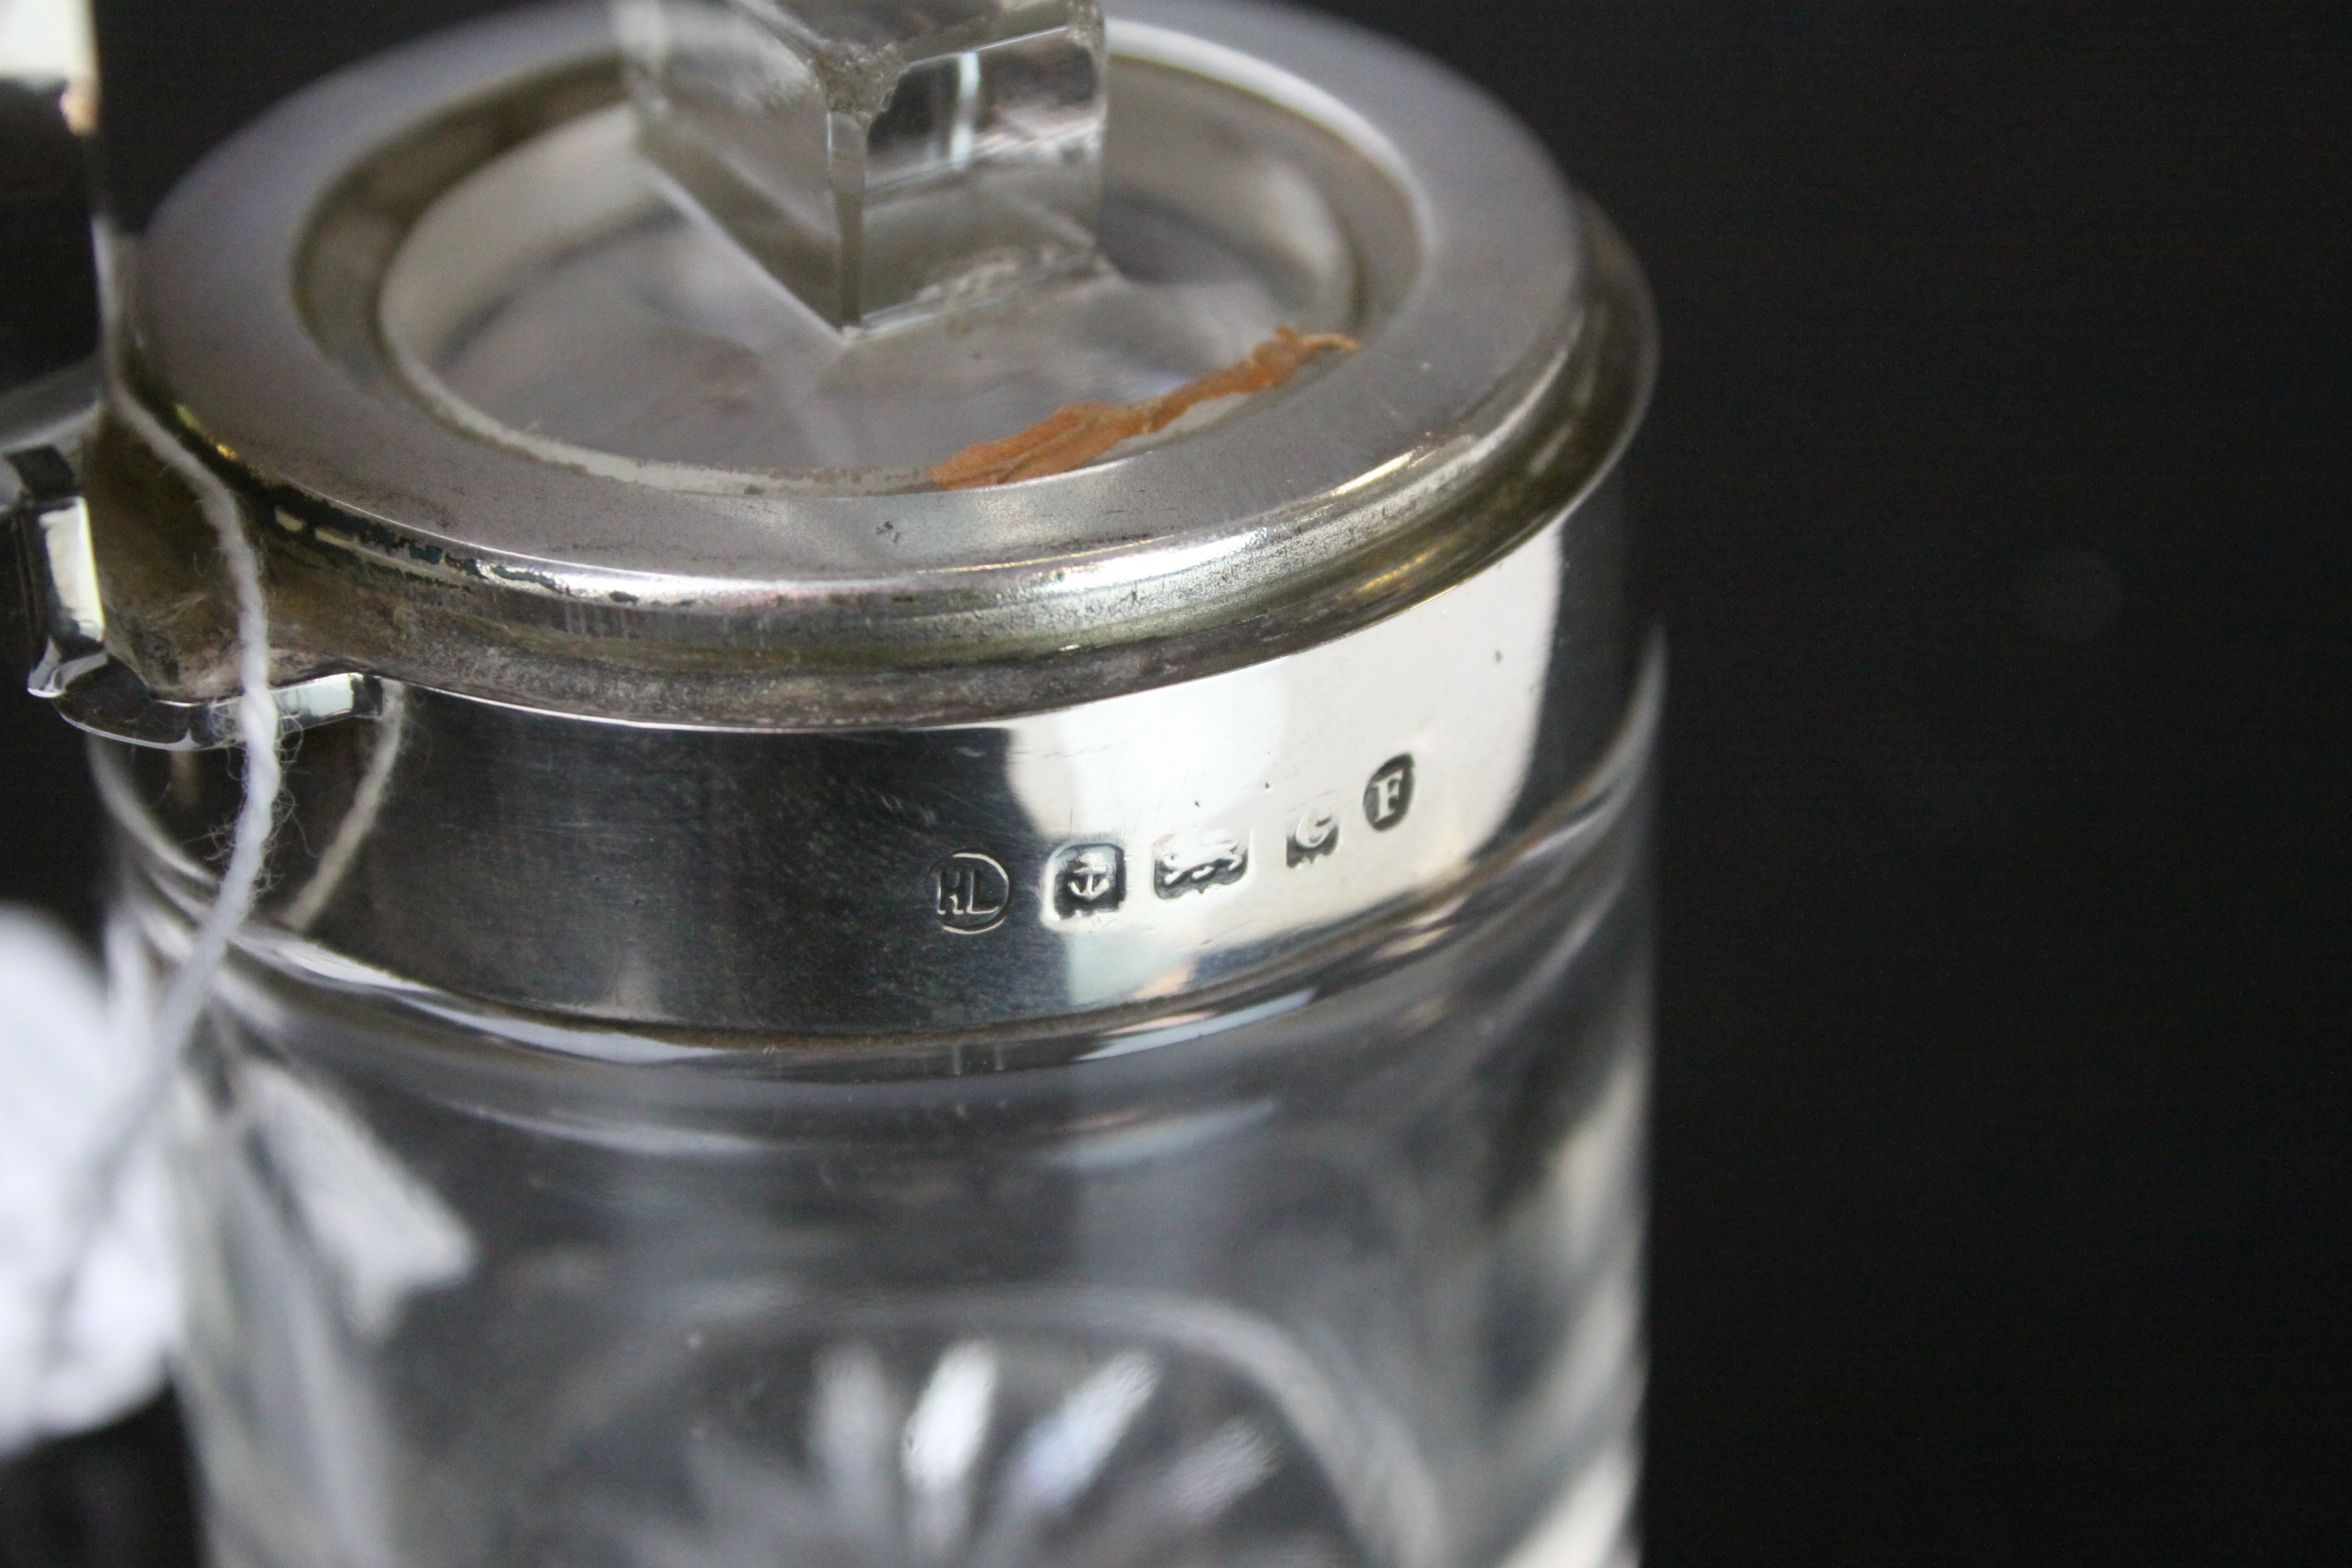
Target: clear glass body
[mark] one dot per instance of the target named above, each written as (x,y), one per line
(1343,1269)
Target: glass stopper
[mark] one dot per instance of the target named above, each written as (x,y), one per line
(883,159)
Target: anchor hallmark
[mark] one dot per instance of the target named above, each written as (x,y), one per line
(1089,880)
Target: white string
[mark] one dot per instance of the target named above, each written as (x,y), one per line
(176,1016)
(359,818)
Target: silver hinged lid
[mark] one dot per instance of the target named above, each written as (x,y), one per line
(534,430)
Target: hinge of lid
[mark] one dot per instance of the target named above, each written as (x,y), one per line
(51,555)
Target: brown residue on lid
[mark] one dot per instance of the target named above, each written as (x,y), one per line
(1075,435)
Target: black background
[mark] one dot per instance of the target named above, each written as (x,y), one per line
(2000,524)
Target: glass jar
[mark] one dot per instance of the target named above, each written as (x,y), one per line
(956,883)
(1338,1266)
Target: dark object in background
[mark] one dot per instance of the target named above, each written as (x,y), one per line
(49,308)
(2003,1112)
(116,1498)
(48,323)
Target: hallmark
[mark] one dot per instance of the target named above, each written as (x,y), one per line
(1196,862)
(1390,794)
(970,893)
(1314,835)
(1089,880)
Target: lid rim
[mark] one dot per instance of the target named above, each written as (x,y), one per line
(414,622)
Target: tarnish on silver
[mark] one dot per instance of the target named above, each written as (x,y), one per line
(73,667)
